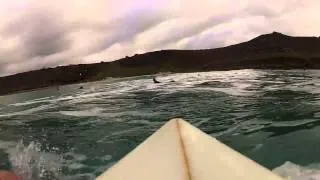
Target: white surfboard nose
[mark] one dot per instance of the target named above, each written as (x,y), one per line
(179,151)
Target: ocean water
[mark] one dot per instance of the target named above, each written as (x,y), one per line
(270,116)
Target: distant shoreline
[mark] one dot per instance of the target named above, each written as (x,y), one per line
(269,51)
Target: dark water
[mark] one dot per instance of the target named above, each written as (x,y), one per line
(270,116)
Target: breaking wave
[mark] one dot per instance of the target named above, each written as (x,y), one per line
(30,163)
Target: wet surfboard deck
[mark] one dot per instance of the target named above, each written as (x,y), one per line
(180,151)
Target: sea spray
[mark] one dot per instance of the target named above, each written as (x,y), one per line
(31,163)
(293,171)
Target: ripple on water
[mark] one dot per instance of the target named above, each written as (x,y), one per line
(97,125)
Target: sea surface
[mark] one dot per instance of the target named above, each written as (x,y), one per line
(271,116)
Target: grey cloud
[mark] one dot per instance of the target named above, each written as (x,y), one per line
(261,11)
(3,69)
(32,64)
(184,32)
(128,27)
(41,34)
(208,41)
(45,40)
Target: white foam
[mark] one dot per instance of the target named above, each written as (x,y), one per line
(76,157)
(106,157)
(34,101)
(84,113)
(28,111)
(293,171)
(7,146)
(31,163)
(293,123)
(76,166)
(119,133)
(25,103)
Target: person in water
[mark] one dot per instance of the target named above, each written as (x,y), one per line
(155,80)
(7,175)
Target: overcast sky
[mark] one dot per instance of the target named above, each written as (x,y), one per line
(47,33)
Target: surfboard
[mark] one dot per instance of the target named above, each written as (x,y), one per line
(180,151)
